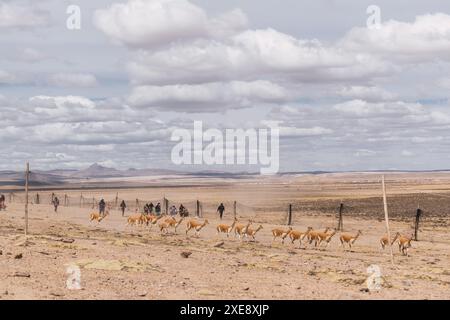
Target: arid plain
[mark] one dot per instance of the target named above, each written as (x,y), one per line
(131,262)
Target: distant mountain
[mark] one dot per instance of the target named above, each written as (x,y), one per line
(97,171)
(35,178)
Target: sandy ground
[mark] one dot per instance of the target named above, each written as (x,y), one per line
(119,262)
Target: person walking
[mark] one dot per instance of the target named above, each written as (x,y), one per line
(158,209)
(123,206)
(221,210)
(2,202)
(55,203)
(102,207)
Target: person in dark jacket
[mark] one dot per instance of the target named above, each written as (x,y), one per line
(183,211)
(221,210)
(151,206)
(102,207)
(158,209)
(123,206)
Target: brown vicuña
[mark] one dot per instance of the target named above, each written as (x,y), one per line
(152,220)
(252,232)
(280,233)
(404,243)
(349,239)
(135,219)
(197,226)
(241,229)
(384,240)
(298,235)
(314,235)
(98,217)
(170,222)
(225,228)
(326,237)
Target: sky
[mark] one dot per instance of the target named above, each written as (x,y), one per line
(345,96)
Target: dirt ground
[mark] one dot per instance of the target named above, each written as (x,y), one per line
(120,262)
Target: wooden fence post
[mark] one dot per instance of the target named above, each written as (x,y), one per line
(386,216)
(81,200)
(340,226)
(37,198)
(197,210)
(27,174)
(166,206)
(416,225)
(290,215)
(235,209)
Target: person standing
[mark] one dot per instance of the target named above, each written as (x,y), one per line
(101,207)
(150,207)
(158,209)
(2,202)
(221,210)
(181,211)
(173,211)
(123,206)
(55,203)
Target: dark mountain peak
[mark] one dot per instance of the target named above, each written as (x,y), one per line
(96,166)
(97,170)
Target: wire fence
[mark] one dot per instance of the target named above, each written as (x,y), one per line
(196,208)
(401,207)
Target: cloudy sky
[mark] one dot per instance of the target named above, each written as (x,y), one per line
(347,97)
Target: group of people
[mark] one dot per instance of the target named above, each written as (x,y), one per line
(183,211)
(149,208)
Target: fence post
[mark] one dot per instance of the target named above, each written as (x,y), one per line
(37,198)
(137,204)
(386,216)
(66,200)
(416,225)
(166,206)
(290,215)
(116,201)
(81,200)
(197,208)
(235,209)
(27,174)
(340,226)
